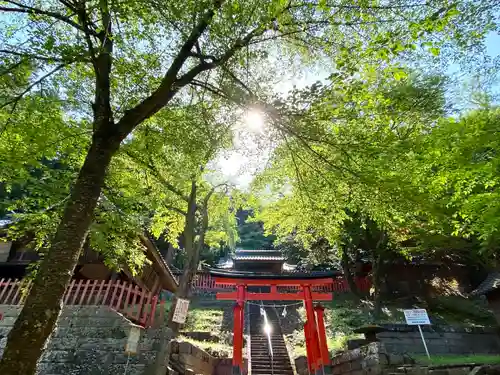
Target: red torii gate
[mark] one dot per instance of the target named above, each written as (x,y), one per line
(314,328)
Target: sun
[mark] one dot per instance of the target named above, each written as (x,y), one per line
(254,121)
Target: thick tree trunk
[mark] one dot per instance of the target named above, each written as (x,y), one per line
(170,254)
(193,248)
(43,305)
(345,262)
(191,264)
(376,278)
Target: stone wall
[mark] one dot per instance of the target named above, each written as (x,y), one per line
(375,359)
(371,359)
(494,304)
(440,340)
(89,340)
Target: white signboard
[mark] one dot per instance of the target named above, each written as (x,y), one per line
(133,340)
(181,310)
(417,317)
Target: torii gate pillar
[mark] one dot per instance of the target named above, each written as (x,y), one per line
(238,316)
(325,357)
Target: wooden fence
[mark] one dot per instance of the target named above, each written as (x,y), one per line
(135,303)
(204,283)
(138,304)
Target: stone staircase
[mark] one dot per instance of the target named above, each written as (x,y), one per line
(260,362)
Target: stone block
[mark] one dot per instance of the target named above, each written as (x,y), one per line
(63,343)
(197,364)
(345,367)
(431,335)
(415,370)
(459,371)
(58,356)
(90,331)
(4,331)
(301,362)
(89,369)
(373,370)
(395,359)
(10,311)
(438,372)
(356,365)
(8,321)
(103,344)
(371,361)
(70,322)
(185,347)
(452,336)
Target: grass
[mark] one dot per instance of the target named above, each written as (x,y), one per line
(452,360)
(345,313)
(204,320)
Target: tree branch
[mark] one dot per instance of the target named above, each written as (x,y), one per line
(165,91)
(178,210)
(209,87)
(30,10)
(19,97)
(152,168)
(43,58)
(211,192)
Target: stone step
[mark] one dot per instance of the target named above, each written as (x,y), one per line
(276,365)
(266,362)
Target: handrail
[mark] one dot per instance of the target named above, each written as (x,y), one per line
(267,331)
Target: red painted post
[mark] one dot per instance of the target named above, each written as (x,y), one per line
(238,331)
(134,314)
(115,285)
(320,314)
(3,287)
(119,302)
(18,289)
(307,336)
(153,312)
(78,289)
(92,290)
(68,291)
(145,312)
(97,297)
(84,293)
(128,307)
(311,318)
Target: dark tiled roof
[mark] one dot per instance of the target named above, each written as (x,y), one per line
(491,283)
(260,254)
(257,257)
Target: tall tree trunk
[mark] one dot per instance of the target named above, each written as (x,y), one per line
(193,248)
(43,305)
(376,278)
(377,274)
(347,272)
(191,264)
(170,254)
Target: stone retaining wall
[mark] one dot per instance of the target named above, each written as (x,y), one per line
(440,340)
(89,340)
(375,359)
(371,359)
